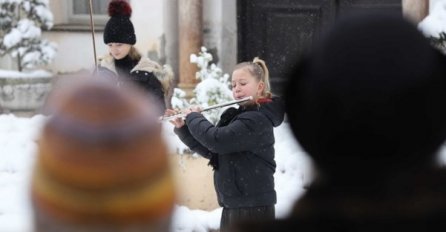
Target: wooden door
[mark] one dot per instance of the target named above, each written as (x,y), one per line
(279,31)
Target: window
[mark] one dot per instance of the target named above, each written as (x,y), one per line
(76,16)
(79,11)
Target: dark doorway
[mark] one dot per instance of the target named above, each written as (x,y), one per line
(279,31)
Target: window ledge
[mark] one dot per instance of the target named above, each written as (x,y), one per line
(76,28)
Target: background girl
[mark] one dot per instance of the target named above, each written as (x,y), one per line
(124,64)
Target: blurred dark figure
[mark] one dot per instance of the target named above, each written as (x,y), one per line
(369,106)
(102,164)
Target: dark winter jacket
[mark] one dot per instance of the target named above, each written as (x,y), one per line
(242,147)
(144,73)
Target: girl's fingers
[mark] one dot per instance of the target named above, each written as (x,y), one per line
(177,122)
(196,109)
(170,112)
(167,112)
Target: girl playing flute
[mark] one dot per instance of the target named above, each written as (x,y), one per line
(240,148)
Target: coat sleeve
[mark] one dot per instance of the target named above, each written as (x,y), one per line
(242,134)
(154,86)
(106,74)
(149,82)
(185,136)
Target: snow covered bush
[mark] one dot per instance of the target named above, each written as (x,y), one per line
(439,42)
(212,89)
(21,24)
(434,26)
(179,99)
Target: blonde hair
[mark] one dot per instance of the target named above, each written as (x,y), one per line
(257,68)
(134,54)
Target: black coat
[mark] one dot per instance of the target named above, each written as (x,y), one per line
(150,83)
(241,148)
(141,73)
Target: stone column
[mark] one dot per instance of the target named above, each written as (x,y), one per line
(169,46)
(228,49)
(190,25)
(415,10)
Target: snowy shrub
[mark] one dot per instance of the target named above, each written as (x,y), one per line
(21,24)
(434,26)
(212,89)
(439,42)
(178,99)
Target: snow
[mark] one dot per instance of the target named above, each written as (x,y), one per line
(22,32)
(44,14)
(39,8)
(178,99)
(435,22)
(26,29)
(18,143)
(206,87)
(18,148)
(30,74)
(12,38)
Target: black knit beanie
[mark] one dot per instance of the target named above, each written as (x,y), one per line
(119,28)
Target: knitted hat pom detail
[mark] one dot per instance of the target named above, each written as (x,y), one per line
(119,28)
(119,8)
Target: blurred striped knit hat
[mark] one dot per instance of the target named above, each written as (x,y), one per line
(102,164)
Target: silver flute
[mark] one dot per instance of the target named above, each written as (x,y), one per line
(182,115)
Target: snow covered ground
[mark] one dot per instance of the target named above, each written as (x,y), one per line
(17,154)
(294,168)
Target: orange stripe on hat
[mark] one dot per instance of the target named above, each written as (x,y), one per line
(149,201)
(99,168)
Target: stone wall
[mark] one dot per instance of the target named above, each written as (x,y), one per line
(194,180)
(23,94)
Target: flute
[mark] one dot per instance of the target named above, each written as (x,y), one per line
(182,115)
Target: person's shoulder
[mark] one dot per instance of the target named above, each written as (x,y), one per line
(163,73)
(271,111)
(274,110)
(254,115)
(147,65)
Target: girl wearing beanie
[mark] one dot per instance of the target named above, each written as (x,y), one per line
(124,64)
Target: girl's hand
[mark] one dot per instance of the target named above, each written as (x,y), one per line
(192,109)
(178,122)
